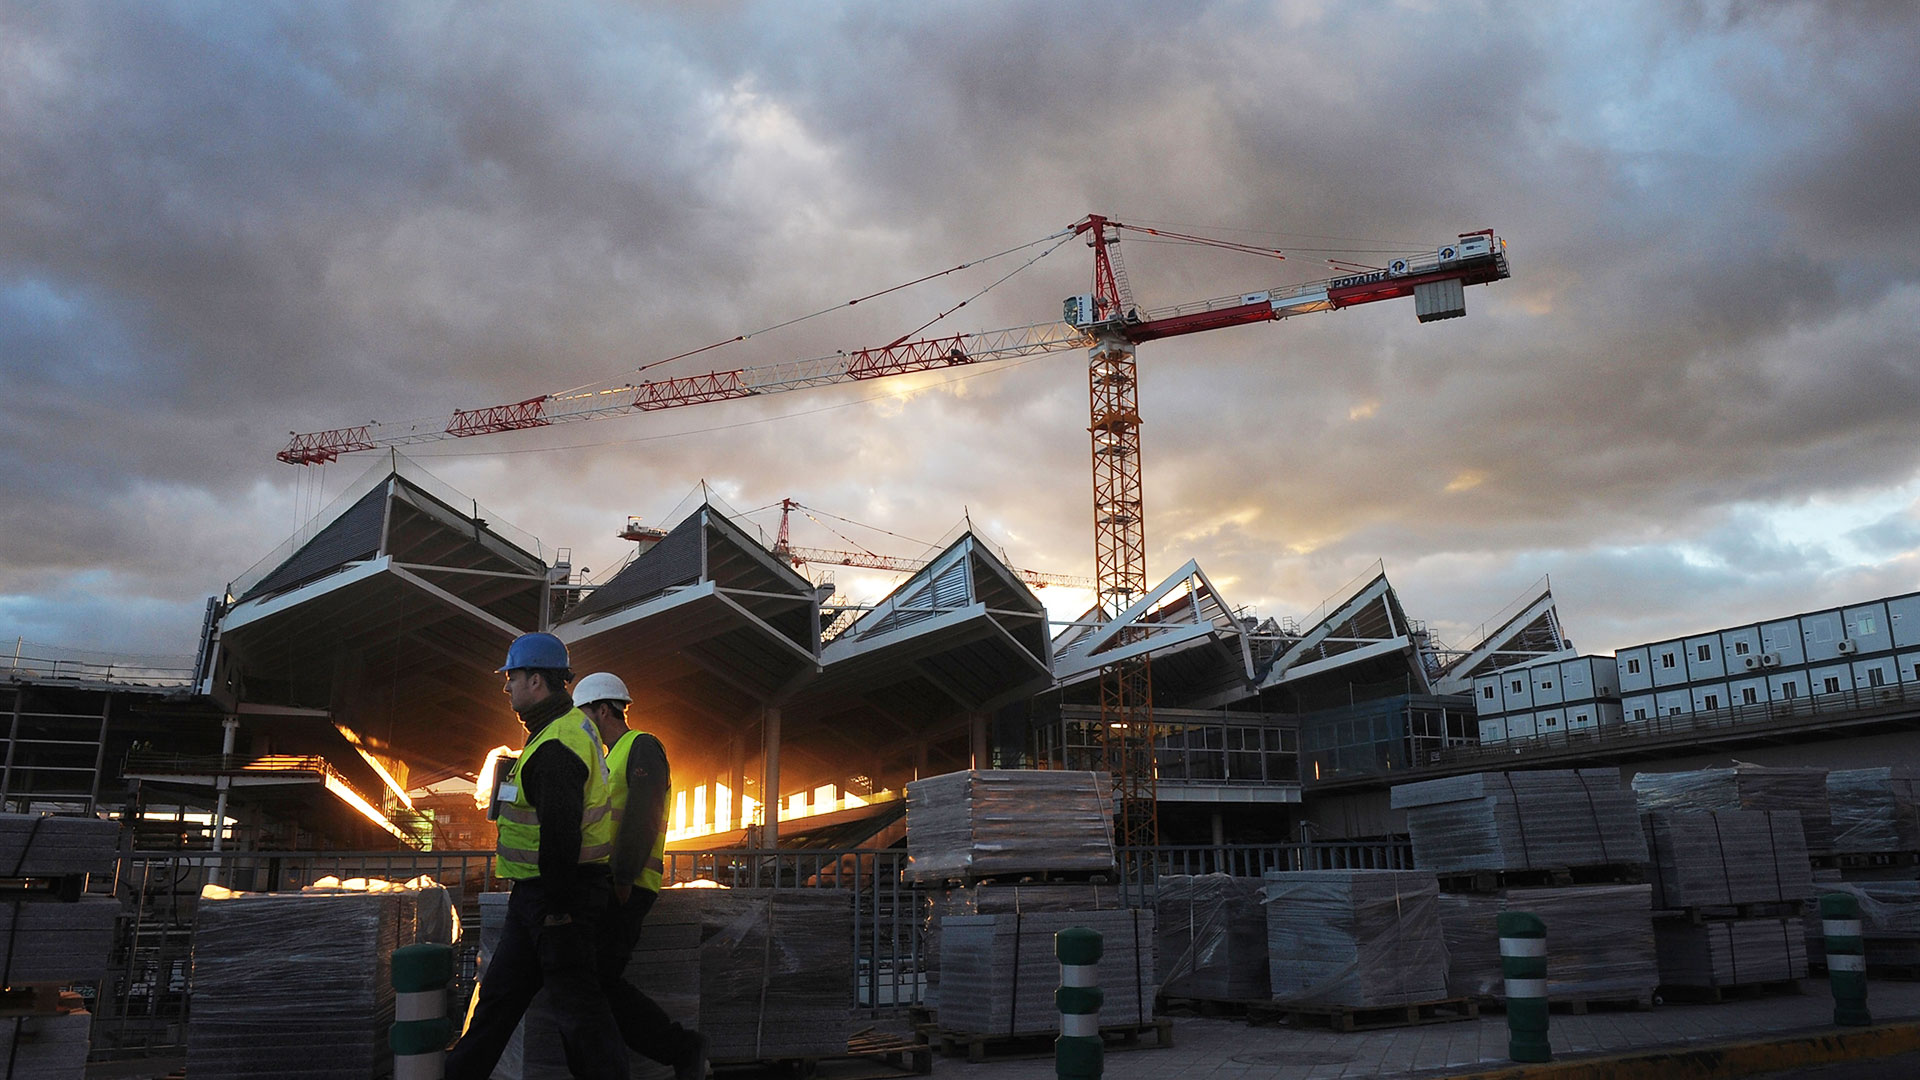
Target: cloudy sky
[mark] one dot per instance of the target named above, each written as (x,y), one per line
(1695,402)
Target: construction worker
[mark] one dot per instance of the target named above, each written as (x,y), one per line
(641,785)
(555,812)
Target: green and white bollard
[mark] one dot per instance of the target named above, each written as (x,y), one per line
(421,1030)
(1523,960)
(1079,1054)
(1846,958)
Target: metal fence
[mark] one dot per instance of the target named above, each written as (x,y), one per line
(143,1005)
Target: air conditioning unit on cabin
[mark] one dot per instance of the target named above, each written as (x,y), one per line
(1751,663)
(1848,646)
(1771,659)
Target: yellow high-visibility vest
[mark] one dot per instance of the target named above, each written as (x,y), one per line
(518,849)
(651,873)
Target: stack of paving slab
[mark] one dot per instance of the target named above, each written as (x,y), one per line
(765,974)
(52,936)
(1544,819)
(998,972)
(1875,811)
(993,822)
(776,972)
(1007,898)
(1745,787)
(1731,952)
(1726,857)
(1600,941)
(1212,941)
(295,984)
(45,1046)
(1356,938)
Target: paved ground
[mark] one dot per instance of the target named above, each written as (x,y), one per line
(1232,1050)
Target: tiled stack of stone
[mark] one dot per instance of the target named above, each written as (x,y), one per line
(1600,941)
(1875,811)
(295,984)
(1745,787)
(765,974)
(983,823)
(1005,899)
(1357,938)
(1546,819)
(51,937)
(1212,937)
(1731,885)
(998,972)
(1599,936)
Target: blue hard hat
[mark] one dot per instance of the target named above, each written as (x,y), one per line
(535,651)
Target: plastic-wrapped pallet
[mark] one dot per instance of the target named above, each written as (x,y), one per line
(1355,937)
(1875,810)
(1542,819)
(1745,787)
(1737,952)
(43,846)
(998,972)
(997,899)
(1708,858)
(776,972)
(45,1046)
(1212,940)
(1600,942)
(984,822)
(49,941)
(276,975)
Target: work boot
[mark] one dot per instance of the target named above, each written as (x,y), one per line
(692,1062)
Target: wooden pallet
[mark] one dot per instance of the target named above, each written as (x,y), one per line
(1864,860)
(1230,1008)
(908,1055)
(1489,881)
(65,887)
(1365,1018)
(1714,995)
(976,1047)
(1772,909)
(1581,1006)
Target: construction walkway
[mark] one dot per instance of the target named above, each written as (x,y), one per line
(1211,1049)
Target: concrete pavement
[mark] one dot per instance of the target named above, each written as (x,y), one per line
(1210,1049)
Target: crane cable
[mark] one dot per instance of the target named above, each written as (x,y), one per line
(1068,233)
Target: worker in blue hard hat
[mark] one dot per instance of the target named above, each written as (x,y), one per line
(555,811)
(641,784)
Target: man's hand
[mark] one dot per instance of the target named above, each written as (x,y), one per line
(621,892)
(557,920)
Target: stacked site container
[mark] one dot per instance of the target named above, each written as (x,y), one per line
(1854,650)
(1549,697)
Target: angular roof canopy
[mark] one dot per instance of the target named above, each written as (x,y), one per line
(963,635)
(1366,639)
(391,614)
(1198,645)
(1530,633)
(704,626)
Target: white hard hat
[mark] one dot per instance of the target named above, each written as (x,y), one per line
(600,686)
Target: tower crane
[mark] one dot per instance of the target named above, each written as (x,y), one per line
(1106,323)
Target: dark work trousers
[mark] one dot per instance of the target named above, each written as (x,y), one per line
(560,958)
(643,1024)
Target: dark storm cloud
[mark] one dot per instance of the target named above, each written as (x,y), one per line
(219,223)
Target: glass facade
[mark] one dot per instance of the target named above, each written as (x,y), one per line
(1379,736)
(1214,753)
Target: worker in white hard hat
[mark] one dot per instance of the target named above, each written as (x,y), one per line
(637,765)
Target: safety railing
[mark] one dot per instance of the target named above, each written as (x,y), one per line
(1861,702)
(143,1005)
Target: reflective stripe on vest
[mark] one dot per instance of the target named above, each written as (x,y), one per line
(518,849)
(653,873)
